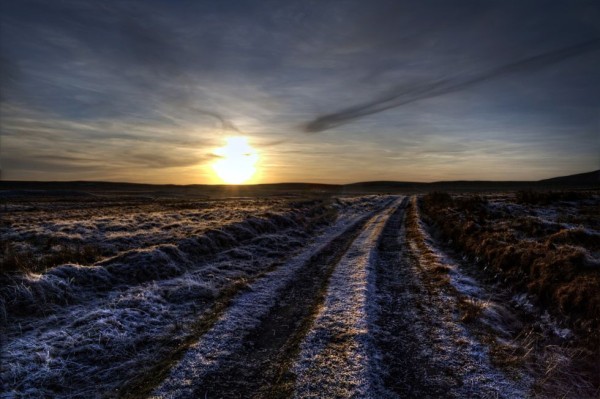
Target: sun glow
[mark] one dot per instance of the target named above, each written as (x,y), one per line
(237,161)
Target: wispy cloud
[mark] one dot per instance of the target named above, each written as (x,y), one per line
(406,95)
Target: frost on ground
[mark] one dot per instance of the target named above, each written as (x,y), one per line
(246,312)
(460,299)
(334,359)
(342,297)
(86,331)
(44,234)
(539,304)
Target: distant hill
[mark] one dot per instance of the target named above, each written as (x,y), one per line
(580,178)
(590,180)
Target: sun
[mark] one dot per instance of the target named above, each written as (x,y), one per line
(237,161)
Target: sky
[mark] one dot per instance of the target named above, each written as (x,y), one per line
(321,91)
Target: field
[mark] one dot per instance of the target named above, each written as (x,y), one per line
(321,295)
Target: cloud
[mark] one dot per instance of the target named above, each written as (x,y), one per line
(406,95)
(86,60)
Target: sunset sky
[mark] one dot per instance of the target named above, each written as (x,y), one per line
(311,91)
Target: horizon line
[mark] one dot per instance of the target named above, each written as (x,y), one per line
(298,182)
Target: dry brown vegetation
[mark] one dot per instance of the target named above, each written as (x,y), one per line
(555,263)
(39,235)
(548,197)
(13,260)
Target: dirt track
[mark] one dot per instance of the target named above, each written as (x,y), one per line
(367,314)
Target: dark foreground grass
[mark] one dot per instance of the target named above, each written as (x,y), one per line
(566,366)
(552,263)
(13,260)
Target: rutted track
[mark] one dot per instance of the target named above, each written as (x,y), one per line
(426,350)
(369,307)
(102,342)
(361,317)
(337,356)
(254,361)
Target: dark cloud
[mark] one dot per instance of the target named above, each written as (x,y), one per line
(406,95)
(33,164)
(128,60)
(65,159)
(156,160)
(273,143)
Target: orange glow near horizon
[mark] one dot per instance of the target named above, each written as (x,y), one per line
(237,161)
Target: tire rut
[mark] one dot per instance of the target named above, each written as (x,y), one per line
(337,354)
(262,368)
(426,350)
(259,366)
(406,369)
